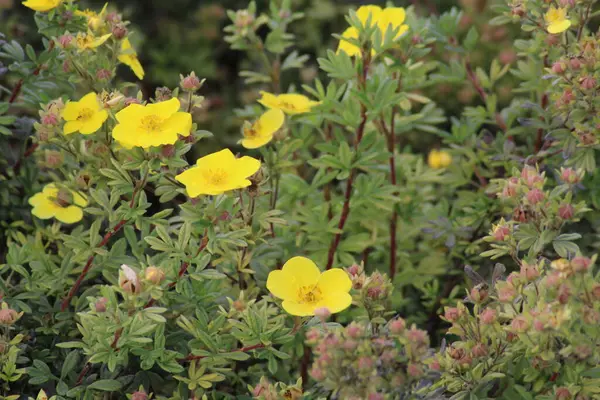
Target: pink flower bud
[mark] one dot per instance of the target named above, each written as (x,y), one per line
(103,74)
(353,270)
(507,56)
(323,313)
(65,40)
(520,324)
(534,196)
(365,363)
(529,272)
(50,119)
(414,370)
(501,233)
(139,396)
(570,176)
(479,350)
(588,83)
(558,68)
(417,336)
(477,294)
(191,83)
(562,393)
(119,31)
(567,96)
(8,316)
(567,3)
(575,63)
(435,365)
(596,291)
(566,211)
(553,280)
(66,66)
(397,326)
(539,325)
(100,304)
(313,335)
(581,264)
(452,314)
(506,294)
(317,374)
(488,316)
(354,331)
(564,292)
(376,396)
(350,345)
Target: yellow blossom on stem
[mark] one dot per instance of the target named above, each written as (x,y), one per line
(95,20)
(556,20)
(85,116)
(42,5)
(129,57)
(388,18)
(289,103)
(87,41)
(151,125)
(218,173)
(63,204)
(261,132)
(304,289)
(439,159)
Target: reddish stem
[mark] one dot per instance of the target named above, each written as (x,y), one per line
(116,338)
(540,132)
(394,220)
(17,89)
(82,374)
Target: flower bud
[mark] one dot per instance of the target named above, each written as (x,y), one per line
(66,66)
(478,294)
(8,316)
(488,316)
(520,324)
(317,374)
(53,159)
(239,305)
(531,176)
(397,326)
(452,314)
(140,395)
(534,196)
(131,100)
(479,350)
(581,264)
(323,313)
(65,40)
(559,68)
(529,272)
(566,211)
(414,370)
(190,83)
(129,280)
(100,304)
(154,275)
(354,331)
(501,232)
(596,291)
(564,292)
(456,353)
(591,316)
(365,363)
(103,74)
(567,96)
(354,270)
(588,83)
(163,94)
(562,393)
(506,293)
(119,31)
(575,63)
(243,19)
(567,3)
(417,337)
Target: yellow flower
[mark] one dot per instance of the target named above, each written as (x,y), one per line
(87,41)
(85,116)
(42,5)
(218,173)
(95,20)
(304,289)
(151,125)
(63,204)
(129,57)
(262,131)
(390,17)
(289,103)
(439,159)
(556,19)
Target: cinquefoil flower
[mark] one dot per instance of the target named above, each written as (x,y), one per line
(556,20)
(151,125)
(261,132)
(439,159)
(63,204)
(87,41)
(129,57)
(85,116)
(304,289)
(217,173)
(289,103)
(95,20)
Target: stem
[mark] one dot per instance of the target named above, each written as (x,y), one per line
(540,131)
(360,131)
(477,86)
(82,374)
(584,22)
(394,220)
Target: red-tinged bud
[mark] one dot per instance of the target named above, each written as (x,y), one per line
(511,337)
(534,196)
(567,3)
(507,56)
(588,83)
(552,40)
(65,40)
(456,353)
(416,39)
(8,316)
(365,363)
(518,10)
(452,314)
(478,295)
(350,345)
(564,293)
(313,335)
(575,63)
(354,331)
(479,350)
(562,393)
(322,313)
(103,74)
(414,370)
(190,83)
(66,66)
(531,176)
(591,316)
(529,272)
(397,326)
(567,96)
(154,275)
(488,316)
(566,211)
(507,293)
(466,361)
(581,264)
(570,176)
(520,324)
(501,233)
(119,31)
(139,396)
(354,269)
(100,304)
(583,351)
(417,337)
(435,365)
(49,119)
(539,325)
(376,396)
(596,291)
(559,68)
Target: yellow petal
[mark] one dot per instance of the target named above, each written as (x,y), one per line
(299,309)
(347,47)
(90,100)
(45,210)
(334,280)
(246,167)
(558,27)
(72,126)
(131,113)
(69,215)
(282,285)
(393,16)
(94,123)
(256,142)
(79,199)
(71,111)
(121,133)
(181,123)
(270,122)
(335,302)
(37,199)
(303,270)
(363,14)
(223,158)
(268,100)
(164,109)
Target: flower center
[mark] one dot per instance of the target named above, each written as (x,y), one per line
(287,105)
(309,294)
(85,114)
(216,177)
(151,123)
(63,198)
(251,133)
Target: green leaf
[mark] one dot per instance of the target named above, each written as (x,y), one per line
(106,385)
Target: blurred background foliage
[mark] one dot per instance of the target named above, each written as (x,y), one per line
(179,36)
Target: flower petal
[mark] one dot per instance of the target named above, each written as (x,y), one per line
(246,167)
(268,100)
(335,302)
(71,127)
(90,100)
(270,122)
(181,123)
(304,270)
(164,109)
(223,159)
(94,123)
(282,285)
(363,14)
(559,26)
(256,142)
(299,309)
(334,280)
(131,114)
(45,210)
(69,215)
(347,47)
